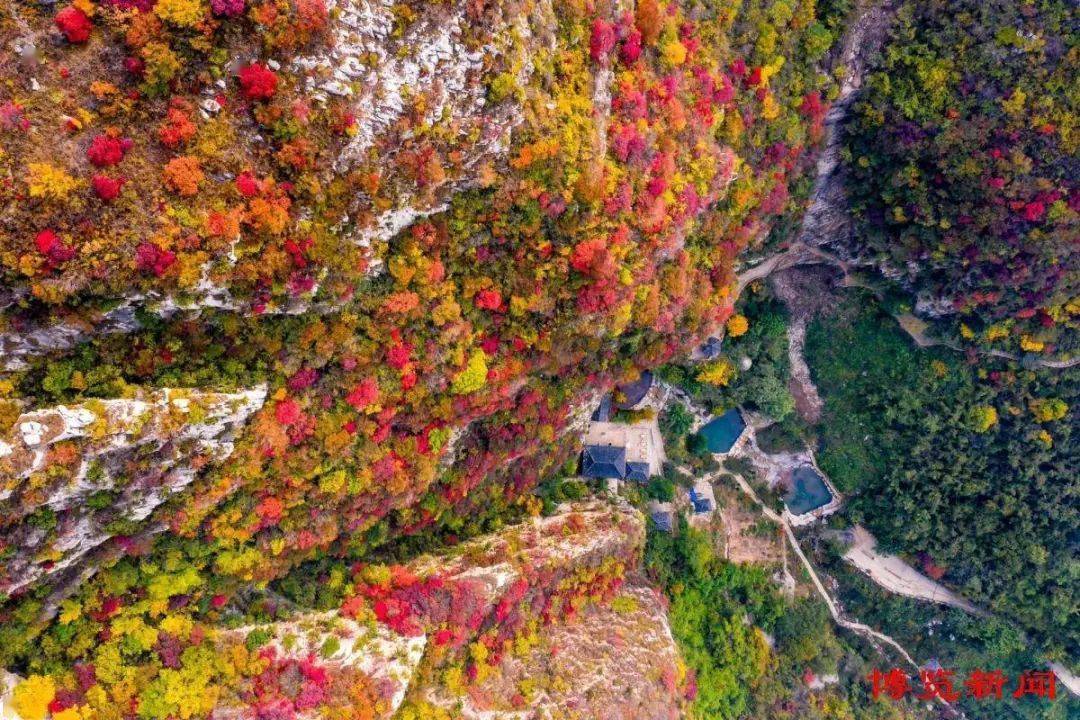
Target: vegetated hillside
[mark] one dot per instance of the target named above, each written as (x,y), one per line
(970,469)
(755,652)
(962,166)
(963,157)
(501,624)
(421,234)
(960,642)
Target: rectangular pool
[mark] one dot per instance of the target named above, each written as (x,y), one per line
(808,491)
(721,433)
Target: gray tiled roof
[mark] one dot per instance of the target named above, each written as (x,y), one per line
(636,390)
(664,519)
(702,503)
(603,461)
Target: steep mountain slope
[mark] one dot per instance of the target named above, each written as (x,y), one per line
(389,251)
(449,635)
(963,161)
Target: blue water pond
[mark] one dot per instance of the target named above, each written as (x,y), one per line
(721,433)
(808,491)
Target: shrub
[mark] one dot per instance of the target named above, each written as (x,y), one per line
(74,24)
(183,13)
(151,258)
(49,182)
(183,175)
(177,129)
(258,82)
(161,65)
(106,151)
(107,188)
(227,8)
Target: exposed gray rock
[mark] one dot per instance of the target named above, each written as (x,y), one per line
(71,476)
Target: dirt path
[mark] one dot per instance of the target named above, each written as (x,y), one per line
(896,576)
(795,255)
(916,328)
(875,637)
(835,609)
(798,255)
(827,217)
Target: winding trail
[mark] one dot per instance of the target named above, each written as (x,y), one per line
(835,609)
(827,209)
(826,218)
(801,255)
(875,637)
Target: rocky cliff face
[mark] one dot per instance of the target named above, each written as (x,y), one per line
(75,476)
(617,660)
(388,78)
(390,81)
(545,617)
(827,221)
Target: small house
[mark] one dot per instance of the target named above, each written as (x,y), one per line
(620,451)
(702,498)
(603,461)
(637,471)
(710,349)
(663,515)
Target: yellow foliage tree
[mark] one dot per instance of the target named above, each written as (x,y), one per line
(49,182)
(473,377)
(719,372)
(737,325)
(1049,409)
(1030,344)
(31,697)
(674,53)
(184,13)
(983,418)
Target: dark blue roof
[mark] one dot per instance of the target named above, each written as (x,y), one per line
(711,348)
(664,520)
(603,461)
(635,391)
(701,503)
(637,471)
(603,413)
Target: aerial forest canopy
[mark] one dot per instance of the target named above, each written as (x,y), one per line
(961,163)
(304,303)
(964,159)
(970,469)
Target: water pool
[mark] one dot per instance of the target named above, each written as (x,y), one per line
(722,432)
(808,491)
